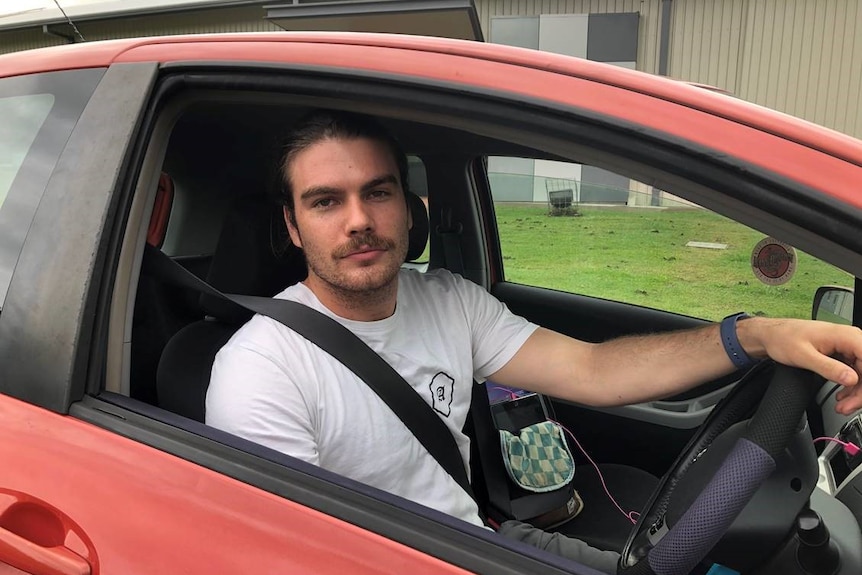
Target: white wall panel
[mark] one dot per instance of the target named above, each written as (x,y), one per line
(564,34)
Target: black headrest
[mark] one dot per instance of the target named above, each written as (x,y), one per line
(419,231)
(254,256)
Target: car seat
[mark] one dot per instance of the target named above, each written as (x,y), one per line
(252,257)
(161,310)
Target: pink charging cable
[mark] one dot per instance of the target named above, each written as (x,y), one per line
(849,448)
(631,515)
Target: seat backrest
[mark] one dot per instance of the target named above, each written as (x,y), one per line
(253,256)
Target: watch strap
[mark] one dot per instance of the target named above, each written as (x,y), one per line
(730,341)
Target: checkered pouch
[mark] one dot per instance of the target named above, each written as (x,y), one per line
(538,458)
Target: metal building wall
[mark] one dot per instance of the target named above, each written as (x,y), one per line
(797,56)
(238,19)
(801,57)
(648,30)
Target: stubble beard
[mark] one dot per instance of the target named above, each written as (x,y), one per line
(363,287)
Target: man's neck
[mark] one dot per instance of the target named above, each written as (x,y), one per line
(372,305)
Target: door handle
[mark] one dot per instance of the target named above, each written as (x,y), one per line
(39,539)
(32,558)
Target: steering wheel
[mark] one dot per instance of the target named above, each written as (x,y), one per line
(780,407)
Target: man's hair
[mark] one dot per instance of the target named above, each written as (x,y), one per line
(321,125)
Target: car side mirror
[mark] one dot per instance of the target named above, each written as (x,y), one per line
(833,304)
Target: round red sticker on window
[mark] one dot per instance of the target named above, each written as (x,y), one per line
(773,261)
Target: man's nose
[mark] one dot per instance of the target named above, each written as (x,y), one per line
(359,218)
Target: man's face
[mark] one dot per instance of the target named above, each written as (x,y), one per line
(351,218)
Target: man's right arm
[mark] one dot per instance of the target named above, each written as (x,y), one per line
(642,368)
(251,395)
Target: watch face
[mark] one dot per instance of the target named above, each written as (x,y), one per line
(773,262)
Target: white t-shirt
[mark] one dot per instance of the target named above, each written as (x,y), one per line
(274,387)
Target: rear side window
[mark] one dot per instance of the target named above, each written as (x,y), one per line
(38,112)
(26,115)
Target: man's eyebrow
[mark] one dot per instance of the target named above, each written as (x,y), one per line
(329,190)
(318,191)
(387,179)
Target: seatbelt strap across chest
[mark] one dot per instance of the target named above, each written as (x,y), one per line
(347,348)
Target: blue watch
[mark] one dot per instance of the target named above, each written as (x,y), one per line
(732,347)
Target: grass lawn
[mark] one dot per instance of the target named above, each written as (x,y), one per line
(640,256)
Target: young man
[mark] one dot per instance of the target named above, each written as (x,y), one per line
(344,184)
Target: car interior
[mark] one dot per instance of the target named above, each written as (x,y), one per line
(176,334)
(206,196)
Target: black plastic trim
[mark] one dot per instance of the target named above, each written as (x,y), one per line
(71,90)
(48,320)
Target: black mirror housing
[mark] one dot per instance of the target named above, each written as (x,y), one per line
(833,304)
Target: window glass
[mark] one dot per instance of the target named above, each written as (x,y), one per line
(24,116)
(585,230)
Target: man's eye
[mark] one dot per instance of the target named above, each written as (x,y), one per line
(379,194)
(322,203)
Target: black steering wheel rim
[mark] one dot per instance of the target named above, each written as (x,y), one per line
(737,405)
(780,407)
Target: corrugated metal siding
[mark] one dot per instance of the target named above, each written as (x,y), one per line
(240,19)
(648,30)
(705,41)
(797,56)
(27,39)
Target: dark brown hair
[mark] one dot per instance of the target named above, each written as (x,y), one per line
(319,125)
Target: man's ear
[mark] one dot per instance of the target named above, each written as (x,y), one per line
(291,229)
(409,218)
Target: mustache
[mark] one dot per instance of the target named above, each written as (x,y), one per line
(365,241)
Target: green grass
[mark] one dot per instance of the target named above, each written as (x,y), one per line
(640,256)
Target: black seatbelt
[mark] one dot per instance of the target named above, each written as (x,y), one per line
(346,347)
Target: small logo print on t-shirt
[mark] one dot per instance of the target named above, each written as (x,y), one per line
(442,388)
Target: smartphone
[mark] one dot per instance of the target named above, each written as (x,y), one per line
(513,409)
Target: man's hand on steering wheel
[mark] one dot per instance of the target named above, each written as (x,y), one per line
(833,351)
